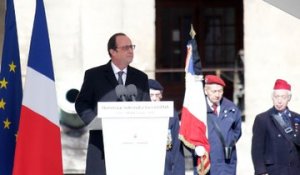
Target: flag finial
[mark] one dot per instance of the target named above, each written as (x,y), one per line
(192,32)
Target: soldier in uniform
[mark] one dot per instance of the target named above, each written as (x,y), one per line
(276,141)
(174,162)
(224,128)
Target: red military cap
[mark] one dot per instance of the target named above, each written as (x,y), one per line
(282,84)
(213,79)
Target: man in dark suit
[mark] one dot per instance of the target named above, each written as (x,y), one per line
(276,138)
(99,85)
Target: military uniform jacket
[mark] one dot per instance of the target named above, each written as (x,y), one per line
(274,152)
(174,162)
(99,85)
(229,121)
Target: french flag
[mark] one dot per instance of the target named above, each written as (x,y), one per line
(38,148)
(193,128)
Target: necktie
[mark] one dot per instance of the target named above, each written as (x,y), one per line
(286,119)
(215,107)
(120,80)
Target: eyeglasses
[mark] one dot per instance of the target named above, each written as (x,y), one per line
(127,47)
(220,91)
(283,97)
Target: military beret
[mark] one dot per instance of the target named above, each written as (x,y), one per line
(213,79)
(153,84)
(282,84)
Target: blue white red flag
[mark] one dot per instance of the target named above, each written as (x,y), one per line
(38,149)
(193,128)
(10,91)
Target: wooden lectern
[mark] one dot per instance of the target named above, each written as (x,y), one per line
(135,136)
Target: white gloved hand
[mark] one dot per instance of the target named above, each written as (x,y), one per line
(199,150)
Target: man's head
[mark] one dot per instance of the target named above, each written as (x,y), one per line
(156,90)
(281,94)
(214,87)
(120,49)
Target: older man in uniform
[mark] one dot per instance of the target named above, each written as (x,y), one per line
(224,128)
(174,162)
(276,138)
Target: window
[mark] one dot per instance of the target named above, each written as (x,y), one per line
(219,34)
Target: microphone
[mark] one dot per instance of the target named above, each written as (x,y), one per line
(121,92)
(132,91)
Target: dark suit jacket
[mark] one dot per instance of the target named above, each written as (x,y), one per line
(272,151)
(99,85)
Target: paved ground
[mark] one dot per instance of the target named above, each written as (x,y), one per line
(245,166)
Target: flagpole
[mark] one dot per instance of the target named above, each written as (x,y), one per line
(193,128)
(192,32)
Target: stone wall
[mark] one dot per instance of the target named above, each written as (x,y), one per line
(271,40)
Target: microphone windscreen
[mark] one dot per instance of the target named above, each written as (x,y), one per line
(121,91)
(132,91)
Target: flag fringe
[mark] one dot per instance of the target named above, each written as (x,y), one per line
(204,164)
(186,143)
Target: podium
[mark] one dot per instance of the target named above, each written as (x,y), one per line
(135,136)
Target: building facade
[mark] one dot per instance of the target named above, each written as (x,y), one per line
(248,43)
